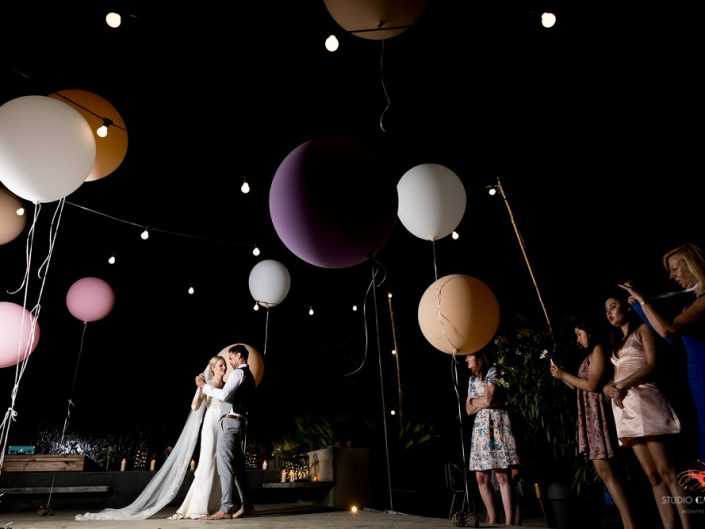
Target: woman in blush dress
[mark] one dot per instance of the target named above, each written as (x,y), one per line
(686,266)
(203,496)
(492,446)
(596,434)
(642,414)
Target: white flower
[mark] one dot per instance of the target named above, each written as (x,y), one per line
(544,353)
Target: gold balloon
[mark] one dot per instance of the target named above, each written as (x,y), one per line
(458,314)
(254,360)
(11,224)
(110,151)
(357,15)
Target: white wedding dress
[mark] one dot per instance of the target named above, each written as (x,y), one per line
(204,495)
(165,484)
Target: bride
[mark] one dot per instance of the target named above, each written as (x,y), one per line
(204,494)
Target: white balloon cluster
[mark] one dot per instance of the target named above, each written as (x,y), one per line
(47,149)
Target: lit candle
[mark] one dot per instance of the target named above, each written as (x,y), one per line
(264,465)
(123,463)
(192,466)
(292,475)
(283,478)
(153,464)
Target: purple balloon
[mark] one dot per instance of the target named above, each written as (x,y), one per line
(331,203)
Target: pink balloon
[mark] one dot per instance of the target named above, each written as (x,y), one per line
(90,299)
(16,333)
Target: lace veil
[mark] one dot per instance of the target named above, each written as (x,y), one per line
(165,484)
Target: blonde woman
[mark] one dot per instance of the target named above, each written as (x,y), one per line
(203,496)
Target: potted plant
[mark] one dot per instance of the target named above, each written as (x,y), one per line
(544,414)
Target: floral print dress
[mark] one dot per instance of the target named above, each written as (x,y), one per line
(493,444)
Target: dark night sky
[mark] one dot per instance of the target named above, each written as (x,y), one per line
(588,125)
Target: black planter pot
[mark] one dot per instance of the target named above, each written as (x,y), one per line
(565,511)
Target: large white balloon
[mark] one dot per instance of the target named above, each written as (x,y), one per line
(47,149)
(431,201)
(269,282)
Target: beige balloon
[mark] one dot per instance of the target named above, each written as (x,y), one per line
(109,151)
(458,314)
(254,360)
(11,224)
(357,15)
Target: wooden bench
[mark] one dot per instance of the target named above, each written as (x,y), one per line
(86,489)
(44,463)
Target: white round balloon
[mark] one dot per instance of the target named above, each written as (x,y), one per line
(47,148)
(431,201)
(269,282)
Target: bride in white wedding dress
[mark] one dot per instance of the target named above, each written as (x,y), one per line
(204,494)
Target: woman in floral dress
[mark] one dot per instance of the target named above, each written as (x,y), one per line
(492,446)
(596,431)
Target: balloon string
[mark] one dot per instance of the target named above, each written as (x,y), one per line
(384,88)
(381,388)
(266,331)
(364,314)
(53,231)
(29,244)
(78,358)
(439,315)
(454,375)
(21,366)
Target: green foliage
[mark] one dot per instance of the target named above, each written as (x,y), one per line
(313,433)
(543,408)
(416,435)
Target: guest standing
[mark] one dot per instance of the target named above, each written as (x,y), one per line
(596,432)
(686,266)
(492,445)
(643,417)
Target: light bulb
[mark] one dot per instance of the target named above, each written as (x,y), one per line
(492,191)
(394,352)
(355,308)
(20,211)
(332,43)
(255,251)
(389,295)
(113,19)
(111,259)
(455,235)
(245,187)
(191,290)
(548,20)
(393,412)
(256,307)
(102,131)
(353,509)
(145,235)
(310,311)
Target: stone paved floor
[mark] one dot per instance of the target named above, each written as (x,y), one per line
(269,516)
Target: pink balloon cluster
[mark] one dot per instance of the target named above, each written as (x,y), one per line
(19,333)
(90,299)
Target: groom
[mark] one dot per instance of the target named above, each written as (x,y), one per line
(230,458)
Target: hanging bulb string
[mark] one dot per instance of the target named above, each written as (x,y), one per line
(158,230)
(103,118)
(384,88)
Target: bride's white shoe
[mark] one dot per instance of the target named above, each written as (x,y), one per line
(177,516)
